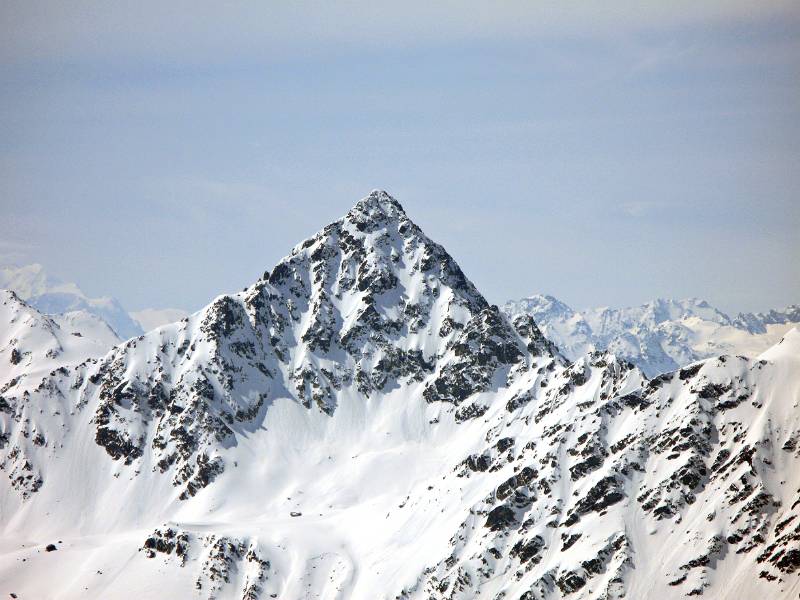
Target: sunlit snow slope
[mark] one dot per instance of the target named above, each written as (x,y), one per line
(33,344)
(361,423)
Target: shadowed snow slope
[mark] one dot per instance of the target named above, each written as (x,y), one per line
(360,423)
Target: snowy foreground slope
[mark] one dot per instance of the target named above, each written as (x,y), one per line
(360,423)
(659,336)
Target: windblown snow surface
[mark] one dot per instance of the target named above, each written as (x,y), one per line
(361,423)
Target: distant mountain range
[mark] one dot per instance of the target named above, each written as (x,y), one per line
(659,336)
(51,296)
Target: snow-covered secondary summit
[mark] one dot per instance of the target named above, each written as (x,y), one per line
(59,299)
(33,344)
(361,423)
(54,297)
(659,336)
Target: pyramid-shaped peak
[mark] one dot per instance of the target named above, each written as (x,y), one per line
(380,200)
(374,247)
(376,208)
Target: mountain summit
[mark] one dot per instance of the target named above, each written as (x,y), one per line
(361,423)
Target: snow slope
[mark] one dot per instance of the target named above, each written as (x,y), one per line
(361,423)
(659,336)
(33,344)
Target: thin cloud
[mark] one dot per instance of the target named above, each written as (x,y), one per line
(15,252)
(205,31)
(641,209)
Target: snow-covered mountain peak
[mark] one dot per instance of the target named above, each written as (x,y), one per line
(360,423)
(375,208)
(608,321)
(378,212)
(52,296)
(33,344)
(374,251)
(667,309)
(366,306)
(545,303)
(760,322)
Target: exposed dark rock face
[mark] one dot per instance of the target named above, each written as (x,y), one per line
(485,345)
(500,517)
(166,542)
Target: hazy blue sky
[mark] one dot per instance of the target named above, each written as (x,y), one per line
(606,155)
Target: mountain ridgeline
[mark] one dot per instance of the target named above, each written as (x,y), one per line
(361,423)
(660,336)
